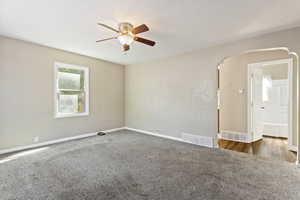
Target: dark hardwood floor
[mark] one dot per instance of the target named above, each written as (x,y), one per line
(270,147)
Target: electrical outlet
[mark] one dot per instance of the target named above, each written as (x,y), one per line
(36,139)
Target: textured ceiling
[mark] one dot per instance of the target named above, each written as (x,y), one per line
(177,26)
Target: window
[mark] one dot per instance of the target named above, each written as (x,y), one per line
(71,90)
(266,86)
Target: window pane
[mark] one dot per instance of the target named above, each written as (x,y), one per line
(71,102)
(70,79)
(68,103)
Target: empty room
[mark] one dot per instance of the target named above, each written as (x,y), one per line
(149,100)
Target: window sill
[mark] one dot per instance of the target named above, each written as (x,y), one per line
(61,115)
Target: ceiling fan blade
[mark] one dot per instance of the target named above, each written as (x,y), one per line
(111,28)
(106,39)
(140,29)
(126,47)
(144,41)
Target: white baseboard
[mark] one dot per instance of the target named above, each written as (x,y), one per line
(21,148)
(154,134)
(256,139)
(114,130)
(293,148)
(216,141)
(160,135)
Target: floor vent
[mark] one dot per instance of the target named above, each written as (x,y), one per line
(235,136)
(198,140)
(101,133)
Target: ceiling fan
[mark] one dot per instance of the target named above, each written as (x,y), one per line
(127,34)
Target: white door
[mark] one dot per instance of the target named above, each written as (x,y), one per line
(276,110)
(257,105)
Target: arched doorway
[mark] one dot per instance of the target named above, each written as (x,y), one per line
(236,130)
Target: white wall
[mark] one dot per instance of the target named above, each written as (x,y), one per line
(178,94)
(27,89)
(172,96)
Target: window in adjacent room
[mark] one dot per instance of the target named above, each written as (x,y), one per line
(71,90)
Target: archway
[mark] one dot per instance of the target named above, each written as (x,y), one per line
(235,124)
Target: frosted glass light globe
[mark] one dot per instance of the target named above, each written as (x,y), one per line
(125,39)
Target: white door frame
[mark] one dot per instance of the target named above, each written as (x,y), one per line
(288,61)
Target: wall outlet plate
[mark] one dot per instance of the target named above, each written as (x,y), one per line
(36,139)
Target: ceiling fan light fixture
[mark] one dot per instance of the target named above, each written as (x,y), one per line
(126,39)
(127,34)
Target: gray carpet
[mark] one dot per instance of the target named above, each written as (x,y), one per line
(131,166)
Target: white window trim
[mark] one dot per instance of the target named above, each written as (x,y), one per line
(58,65)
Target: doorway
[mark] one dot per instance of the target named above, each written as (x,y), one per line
(270,97)
(257,106)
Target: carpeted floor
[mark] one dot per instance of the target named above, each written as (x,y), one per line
(131,166)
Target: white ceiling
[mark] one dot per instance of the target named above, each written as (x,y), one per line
(177,26)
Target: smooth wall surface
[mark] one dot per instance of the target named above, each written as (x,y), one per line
(178,94)
(27,94)
(172,96)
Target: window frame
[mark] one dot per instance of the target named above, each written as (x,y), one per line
(57,66)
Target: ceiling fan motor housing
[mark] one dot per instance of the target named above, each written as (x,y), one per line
(125,27)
